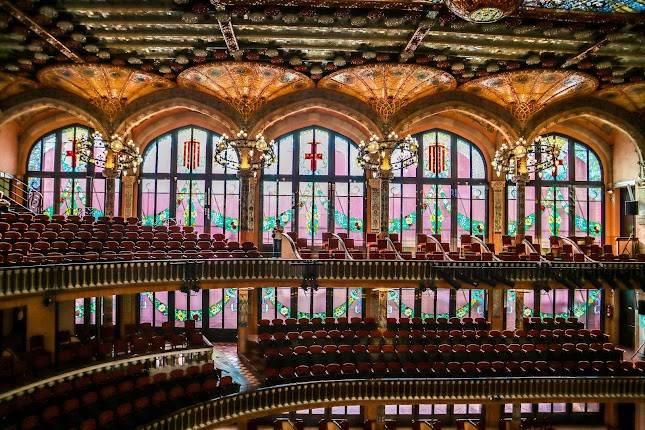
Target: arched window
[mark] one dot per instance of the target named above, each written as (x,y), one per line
(563,202)
(181,181)
(445,193)
(69,186)
(314,186)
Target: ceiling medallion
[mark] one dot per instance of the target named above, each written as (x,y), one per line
(483,11)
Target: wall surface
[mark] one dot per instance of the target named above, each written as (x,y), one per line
(9,148)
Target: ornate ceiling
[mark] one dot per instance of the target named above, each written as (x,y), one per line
(244,85)
(629,96)
(318,39)
(526,92)
(10,85)
(389,87)
(110,88)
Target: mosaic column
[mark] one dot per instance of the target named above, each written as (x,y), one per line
(381,315)
(386,177)
(128,184)
(521,209)
(499,193)
(247,204)
(375,205)
(247,317)
(640,218)
(110,191)
(519,309)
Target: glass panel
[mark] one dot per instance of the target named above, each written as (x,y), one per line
(348,214)
(403,212)
(283,303)
(314,152)
(341,153)
(34,163)
(304,303)
(436,206)
(146,307)
(581,167)
(436,155)
(312,215)
(181,308)
(320,304)
(277,203)
(72,196)
(230,308)
(443,303)
(561,171)
(407,303)
(70,161)
(427,304)
(215,307)
(268,306)
(49,153)
(164,154)
(587,308)
(79,311)
(196,308)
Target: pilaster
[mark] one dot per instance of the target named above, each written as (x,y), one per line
(499,194)
(247,311)
(128,193)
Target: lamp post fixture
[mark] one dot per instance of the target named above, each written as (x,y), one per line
(247,155)
(521,159)
(115,155)
(382,156)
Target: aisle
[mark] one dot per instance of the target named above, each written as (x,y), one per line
(225,358)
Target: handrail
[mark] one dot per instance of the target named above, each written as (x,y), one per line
(341,241)
(294,248)
(486,248)
(446,255)
(20,191)
(156,360)
(27,280)
(526,242)
(575,247)
(308,395)
(391,247)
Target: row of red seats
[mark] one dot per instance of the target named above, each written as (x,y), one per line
(356,323)
(69,404)
(429,337)
(317,354)
(537,323)
(467,369)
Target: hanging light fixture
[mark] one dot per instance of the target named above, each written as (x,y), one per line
(116,153)
(523,158)
(385,155)
(252,153)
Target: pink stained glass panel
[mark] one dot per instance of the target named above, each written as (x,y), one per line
(230,308)
(313,211)
(284,303)
(215,308)
(320,304)
(146,307)
(268,305)
(181,308)
(314,152)
(196,308)
(427,304)
(79,310)
(443,303)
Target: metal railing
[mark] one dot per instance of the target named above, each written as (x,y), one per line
(273,400)
(22,195)
(26,280)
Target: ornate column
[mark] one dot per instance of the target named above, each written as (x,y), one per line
(126,311)
(496,299)
(499,194)
(520,229)
(386,177)
(519,309)
(247,205)
(640,218)
(516,418)
(381,311)
(110,191)
(247,314)
(107,310)
(375,205)
(128,184)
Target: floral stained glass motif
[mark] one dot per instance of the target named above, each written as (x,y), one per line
(315,186)
(606,6)
(69,186)
(179,182)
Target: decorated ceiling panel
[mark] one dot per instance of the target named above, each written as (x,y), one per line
(10,85)
(629,96)
(245,86)
(526,92)
(389,87)
(110,88)
(618,6)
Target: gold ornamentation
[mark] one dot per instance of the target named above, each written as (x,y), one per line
(109,88)
(629,96)
(526,92)
(389,87)
(245,86)
(10,85)
(483,11)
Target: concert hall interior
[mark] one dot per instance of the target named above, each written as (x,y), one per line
(331,214)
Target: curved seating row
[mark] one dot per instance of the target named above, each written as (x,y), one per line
(276,358)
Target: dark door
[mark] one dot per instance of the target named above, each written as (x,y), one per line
(626,221)
(627,318)
(626,416)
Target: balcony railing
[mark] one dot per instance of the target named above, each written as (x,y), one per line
(273,400)
(151,361)
(24,280)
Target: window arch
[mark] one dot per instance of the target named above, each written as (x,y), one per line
(181,181)
(566,202)
(315,186)
(444,193)
(69,185)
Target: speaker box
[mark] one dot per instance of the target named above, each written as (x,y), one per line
(631,207)
(641,307)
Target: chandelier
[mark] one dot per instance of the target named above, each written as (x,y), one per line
(387,154)
(115,153)
(251,153)
(523,158)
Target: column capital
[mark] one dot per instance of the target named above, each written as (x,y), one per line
(498,185)
(129,180)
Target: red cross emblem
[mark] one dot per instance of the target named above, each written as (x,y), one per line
(72,154)
(313,156)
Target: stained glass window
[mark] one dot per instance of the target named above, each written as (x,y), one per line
(180,181)
(400,303)
(444,194)
(69,185)
(567,201)
(315,186)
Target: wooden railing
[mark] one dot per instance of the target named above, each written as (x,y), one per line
(151,361)
(273,400)
(24,280)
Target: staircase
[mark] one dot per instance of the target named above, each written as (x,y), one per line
(22,198)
